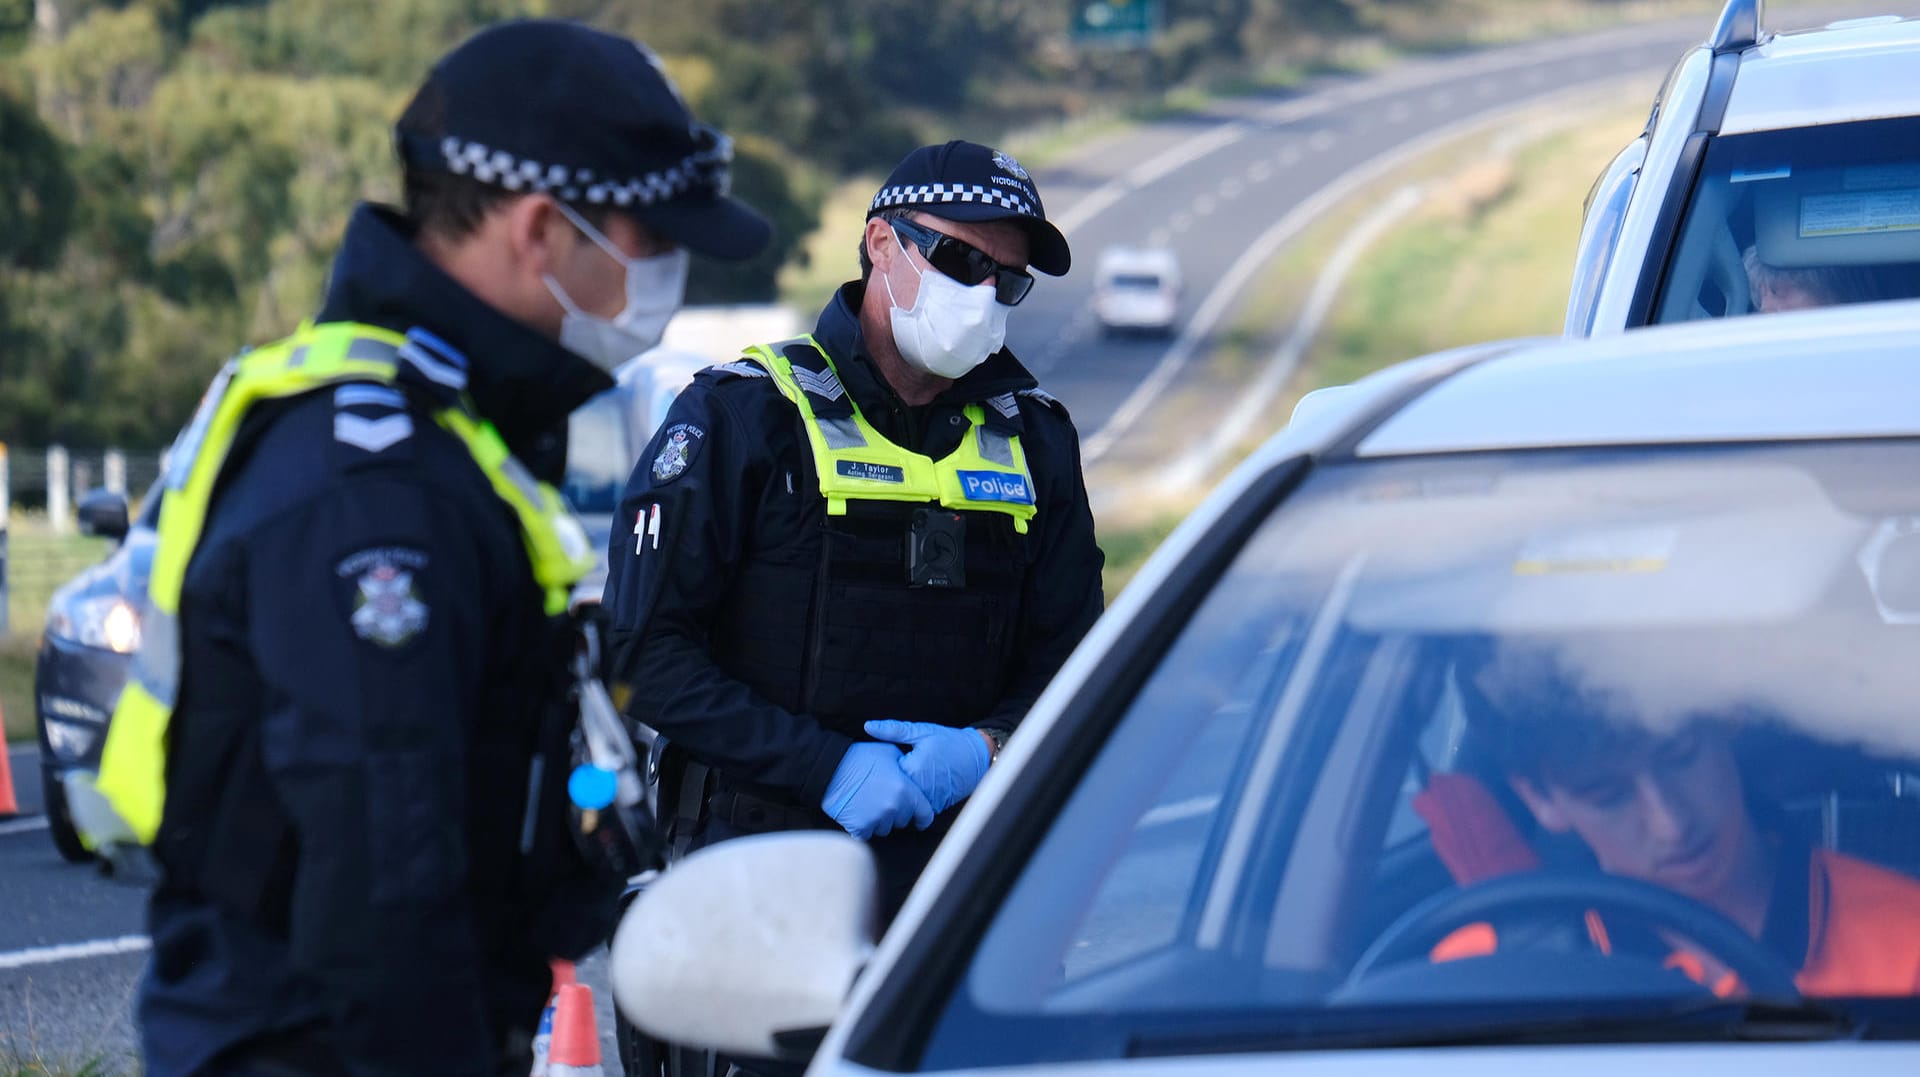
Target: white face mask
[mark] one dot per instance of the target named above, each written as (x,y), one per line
(952,328)
(655,288)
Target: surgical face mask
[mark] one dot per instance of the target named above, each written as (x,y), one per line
(655,288)
(952,328)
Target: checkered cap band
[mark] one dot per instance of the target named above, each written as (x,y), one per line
(707,168)
(933,194)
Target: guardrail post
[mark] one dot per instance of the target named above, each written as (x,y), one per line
(114,472)
(59,493)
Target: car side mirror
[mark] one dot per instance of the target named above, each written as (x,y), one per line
(103,513)
(748,947)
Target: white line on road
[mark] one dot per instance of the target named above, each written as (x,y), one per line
(74,951)
(1269,242)
(22,826)
(1194,465)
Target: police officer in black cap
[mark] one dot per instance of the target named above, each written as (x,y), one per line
(850,562)
(348,739)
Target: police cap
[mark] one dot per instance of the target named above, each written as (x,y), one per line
(550,106)
(965,181)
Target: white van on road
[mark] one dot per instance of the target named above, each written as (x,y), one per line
(1137,289)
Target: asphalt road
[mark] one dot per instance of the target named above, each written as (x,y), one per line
(1209,185)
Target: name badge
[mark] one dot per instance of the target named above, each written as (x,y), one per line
(854,469)
(995,486)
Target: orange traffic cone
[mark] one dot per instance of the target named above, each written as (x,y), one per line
(8,804)
(543,1035)
(576,1035)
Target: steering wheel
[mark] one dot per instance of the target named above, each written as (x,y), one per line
(1414,934)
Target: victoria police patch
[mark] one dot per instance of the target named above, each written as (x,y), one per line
(388,609)
(1006,163)
(677,447)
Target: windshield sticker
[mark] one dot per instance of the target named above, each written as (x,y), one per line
(1754,175)
(1880,177)
(1640,549)
(1860,213)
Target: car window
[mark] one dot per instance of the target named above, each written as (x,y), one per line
(597,455)
(1681,674)
(1802,217)
(1140,281)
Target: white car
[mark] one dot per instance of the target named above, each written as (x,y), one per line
(1286,810)
(1137,289)
(1777,170)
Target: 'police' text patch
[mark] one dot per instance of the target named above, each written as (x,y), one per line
(995,486)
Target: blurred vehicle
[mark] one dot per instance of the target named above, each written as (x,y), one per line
(607,434)
(93,621)
(86,651)
(1137,289)
(1233,832)
(1775,171)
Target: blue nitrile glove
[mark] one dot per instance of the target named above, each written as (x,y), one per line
(870,795)
(946,763)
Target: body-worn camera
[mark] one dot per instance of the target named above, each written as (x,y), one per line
(937,549)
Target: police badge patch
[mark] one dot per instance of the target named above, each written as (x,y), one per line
(387,606)
(677,447)
(1008,164)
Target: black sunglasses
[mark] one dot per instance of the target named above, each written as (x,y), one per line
(966,263)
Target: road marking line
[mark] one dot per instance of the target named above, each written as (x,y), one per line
(21,826)
(74,951)
(1305,212)
(1193,466)
(1340,95)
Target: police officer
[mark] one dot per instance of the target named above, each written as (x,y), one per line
(849,562)
(347,738)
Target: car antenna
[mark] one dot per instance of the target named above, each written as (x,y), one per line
(1738,28)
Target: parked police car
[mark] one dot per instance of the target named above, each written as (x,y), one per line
(1536,707)
(1776,171)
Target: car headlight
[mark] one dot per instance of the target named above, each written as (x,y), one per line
(109,622)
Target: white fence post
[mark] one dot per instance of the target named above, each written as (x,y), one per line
(114,472)
(59,494)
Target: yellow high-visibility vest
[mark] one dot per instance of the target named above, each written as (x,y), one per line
(987,472)
(129,795)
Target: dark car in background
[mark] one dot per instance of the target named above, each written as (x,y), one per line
(93,628)
(93,621)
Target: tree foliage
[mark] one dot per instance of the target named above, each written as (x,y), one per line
(175,174)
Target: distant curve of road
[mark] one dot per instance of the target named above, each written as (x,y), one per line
(72,943)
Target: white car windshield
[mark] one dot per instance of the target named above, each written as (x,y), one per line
(1470,742)
(1801,217)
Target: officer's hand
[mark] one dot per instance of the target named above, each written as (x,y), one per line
(946,763)
(870,795)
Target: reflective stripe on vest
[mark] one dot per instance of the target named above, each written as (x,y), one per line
(132,776)
(987,472)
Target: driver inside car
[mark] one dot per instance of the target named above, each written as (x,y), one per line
(1673,808)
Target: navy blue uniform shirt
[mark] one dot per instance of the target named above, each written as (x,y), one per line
(365,657)
(741,493)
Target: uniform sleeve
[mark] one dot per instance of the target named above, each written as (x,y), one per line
(683,527)
(368,612)
(1063,594)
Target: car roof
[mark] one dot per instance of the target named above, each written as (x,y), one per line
(1839,372)
(1119,258)
(1855,69)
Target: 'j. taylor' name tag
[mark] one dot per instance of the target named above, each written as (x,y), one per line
(854,469)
